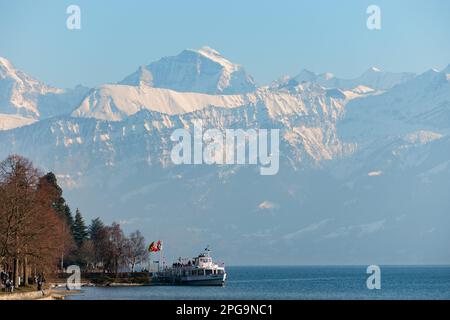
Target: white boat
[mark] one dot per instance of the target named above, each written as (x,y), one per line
(199,271)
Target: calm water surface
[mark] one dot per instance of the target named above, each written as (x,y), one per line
(429,282)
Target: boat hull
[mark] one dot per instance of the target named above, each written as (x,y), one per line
(203,280)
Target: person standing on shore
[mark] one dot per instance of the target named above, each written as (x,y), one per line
(40,283)
(9,286)
(3,280)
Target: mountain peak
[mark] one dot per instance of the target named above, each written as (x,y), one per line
(208,51)
(305,75)
(215,56)
(6,65)
(431,71)
(432,75)
(4,61)
(373,70)
(24,99)
(307,71)
(202,70)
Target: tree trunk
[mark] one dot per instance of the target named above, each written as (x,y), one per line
(25,271)
(16,273)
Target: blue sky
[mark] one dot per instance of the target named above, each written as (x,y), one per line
(270,38)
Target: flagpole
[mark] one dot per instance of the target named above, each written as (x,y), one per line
(160,260)
(151,255)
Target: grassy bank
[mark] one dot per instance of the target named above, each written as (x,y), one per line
(25,293)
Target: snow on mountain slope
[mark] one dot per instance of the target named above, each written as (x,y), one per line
(116,102)
(373,78)
(204,70)
(422,103)
(25,99)
(11,121)
(116,117)
(377,79)
(19,93)
(396,130)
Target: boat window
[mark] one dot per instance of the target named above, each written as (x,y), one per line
(208,271)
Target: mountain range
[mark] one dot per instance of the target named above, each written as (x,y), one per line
(364,162)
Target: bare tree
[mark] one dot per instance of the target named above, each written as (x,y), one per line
(86,254)
(30,230)
(136,250)
(117,247)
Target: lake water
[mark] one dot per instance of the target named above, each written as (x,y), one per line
(349,282)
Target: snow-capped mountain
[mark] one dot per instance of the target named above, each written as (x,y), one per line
(364,163)
(117,102)
(422,103)
(24,100)
(373,78)
(204,70)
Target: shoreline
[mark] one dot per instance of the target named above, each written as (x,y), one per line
(31,295)
(52,293)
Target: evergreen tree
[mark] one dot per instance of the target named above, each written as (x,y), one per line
(99,235)
(80,233)
(96,228)
(66,213)
(59,203)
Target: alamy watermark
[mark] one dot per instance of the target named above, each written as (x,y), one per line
(228,146)
(73,21)
(74,280)
(374,20)
(374,280)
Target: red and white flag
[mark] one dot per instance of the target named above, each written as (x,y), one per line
(155,246)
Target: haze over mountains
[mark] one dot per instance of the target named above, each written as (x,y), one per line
(364,163)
